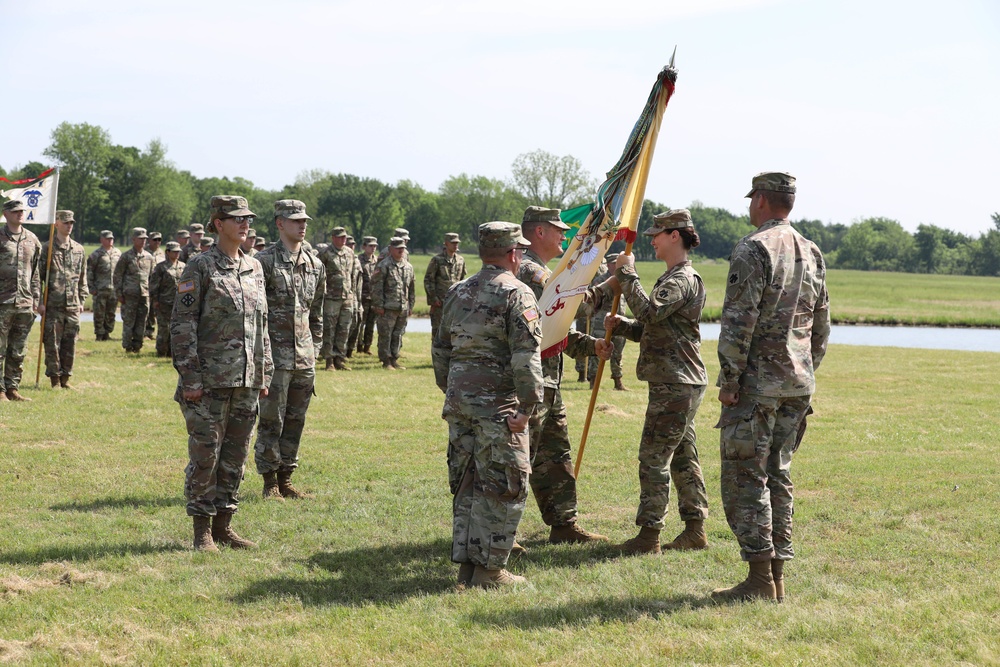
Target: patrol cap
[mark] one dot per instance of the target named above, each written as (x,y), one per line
(183,234)
(197,227)
(139,233)
(107,234)
(155,236)
(260,242)
(172,246)
(350,240)
(290,209)
(673,219)
(65,216)
(397,242)
(401,233)
(369,240)
(251,233)
(500,235)
(14,205)
(207,242)
(338,232)
(542,214)
(776,181)
(452,237)
(229,206)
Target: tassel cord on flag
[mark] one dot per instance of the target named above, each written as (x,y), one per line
(45,303)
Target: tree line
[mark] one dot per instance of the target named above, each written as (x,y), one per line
(115,187)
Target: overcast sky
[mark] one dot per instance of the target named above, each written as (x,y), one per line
(880,108)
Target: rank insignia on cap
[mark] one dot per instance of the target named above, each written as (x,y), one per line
(530,315)
(186,286)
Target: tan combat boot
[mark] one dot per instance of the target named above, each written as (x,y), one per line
(226,536)
(778,574)
(286,488)
(398,366)
(484,578)
(203,534)
(646,542)
(15,395)
(3,397)
(465,572)
(329,364)
(271,491)
(517,549)
(571,533)
(339,364)
(64,382)
(759,585)
(693,537)
(388,366)
(54,380)
(619,386)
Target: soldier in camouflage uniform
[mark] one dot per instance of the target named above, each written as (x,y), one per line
(247,246)
(552,481)
(342,270)
(222,353)
(20,294)
(367,259)
(666,326)
(487,361)
(162,290)
(154,249)
(393,296)
(587,366)
(206,243)
(399,233)
(260,244)
(67,290)
(193,246)
(352,337)
(101,279)
(181,236)
(132,289)
(444,270)
(295,281)
(775,328)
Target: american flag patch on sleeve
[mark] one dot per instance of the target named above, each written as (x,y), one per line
(186,286)
(530,315)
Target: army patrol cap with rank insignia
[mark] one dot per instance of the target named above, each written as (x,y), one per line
(156,236)
(369,240)
(542,214)
(397,242)
(499,235)
(107,234)
(261,242)
(197,227)
(229,206)
(139,233)
(673,219)
(182,233)
(65,216)
(173,246)
(338,232)
(14,205)
(452,237)
(290,209)
(776,181)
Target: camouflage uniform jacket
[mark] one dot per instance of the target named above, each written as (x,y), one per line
(535,274)
(101,269)
(294,305)
(67,277)
(393,285)
(188,251)
(442,272)
(487,351)
(132,273)
(20,281)
(163,282)
(341,270)
(367,266)
(218,328)
(666,324)
(158,256)
(776,315)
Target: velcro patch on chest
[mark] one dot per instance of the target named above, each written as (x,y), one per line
(186,286)
(530,315)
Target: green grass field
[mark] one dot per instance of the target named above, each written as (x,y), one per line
(896,532)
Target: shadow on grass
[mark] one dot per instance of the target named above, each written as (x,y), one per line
(380,575)
(588,612)
(127,502)
(542,554)
(84,552)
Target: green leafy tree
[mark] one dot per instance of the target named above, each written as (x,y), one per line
(548,180)
(877,244)
(83,152)
(421,215)
(468,201)
(365,206)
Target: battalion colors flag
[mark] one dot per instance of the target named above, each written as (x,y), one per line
(613,216)
(38,195)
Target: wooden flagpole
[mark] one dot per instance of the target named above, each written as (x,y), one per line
(48,279)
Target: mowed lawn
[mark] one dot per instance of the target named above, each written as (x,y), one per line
(897,516)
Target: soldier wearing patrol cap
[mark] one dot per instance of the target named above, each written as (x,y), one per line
(444,270)
(367,259)
(775,328)
(162,290)
(487,361)
(193,246)
(552,480)
(206,243)
(666,326)
(154,249)
(592,321)
(260,244)
(182,236)
(342,273)
(20,294)
(247,246)
(66,277)
(101,279)
(132,289)
(398,233)
(393,296)
(222,353)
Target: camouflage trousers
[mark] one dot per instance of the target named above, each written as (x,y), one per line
(282,418)
(338,315)
(757,439)
(134,312)
(61,327)
(552,480)
(488,469)
(219,428)
(15,325)
(151,321)
(436,312)
(163,313)
(391,327)
(590,363)
(105,305)
(352,339)
(668,449)
(367,331)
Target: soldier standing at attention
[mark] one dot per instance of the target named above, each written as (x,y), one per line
(247,246)
(398,233)
(101,279)
(193,246)
(487,362)
(356,281)
(338,311)
(162,290)
(260,244)
(393,296)
(367,259)
(222,353)
(775,327)
(182,236)
(154,249)
(294,281)
(666,326)
(67,281)
(552,480)
(206,243)
(132,289)
(444,270)
(20,294)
